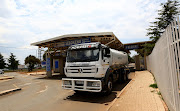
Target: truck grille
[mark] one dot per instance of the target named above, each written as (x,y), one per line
(77,69)
(81,84)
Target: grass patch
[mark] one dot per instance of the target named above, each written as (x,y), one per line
(159,93)
(10,71)
(153,86)
(153,91)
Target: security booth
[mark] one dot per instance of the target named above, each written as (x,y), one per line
(58,60)
(57,46)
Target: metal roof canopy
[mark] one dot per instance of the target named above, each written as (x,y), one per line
(107,38)
(136,45)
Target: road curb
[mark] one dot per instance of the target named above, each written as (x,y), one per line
(9,91)
(35,74)
(119,95)
(4,78)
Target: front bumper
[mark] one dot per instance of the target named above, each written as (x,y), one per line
(90,85)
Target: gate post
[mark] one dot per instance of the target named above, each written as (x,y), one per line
(137,63)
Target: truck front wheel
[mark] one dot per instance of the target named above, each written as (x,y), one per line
(109,86)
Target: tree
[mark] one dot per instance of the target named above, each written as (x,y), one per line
(2,62)
(147,49)
(31,61)
(13,63)
(168,12)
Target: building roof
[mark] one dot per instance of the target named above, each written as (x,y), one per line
(107,38)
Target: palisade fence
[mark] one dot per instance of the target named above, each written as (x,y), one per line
(164,63)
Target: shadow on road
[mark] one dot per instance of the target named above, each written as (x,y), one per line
(54,77)
(97,97)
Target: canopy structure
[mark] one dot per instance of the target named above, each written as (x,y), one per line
(64,41)
(56,53)
(136,45)
(55,56)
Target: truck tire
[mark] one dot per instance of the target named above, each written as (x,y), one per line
(125,78)
(121,76)
(109,86)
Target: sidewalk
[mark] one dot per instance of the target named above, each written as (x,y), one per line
(138,96)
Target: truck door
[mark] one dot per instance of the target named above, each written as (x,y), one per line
(105,58)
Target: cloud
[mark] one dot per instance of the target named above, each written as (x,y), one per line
(25,21)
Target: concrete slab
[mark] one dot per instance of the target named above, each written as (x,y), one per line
(9,91)
(36,73)
(6,77)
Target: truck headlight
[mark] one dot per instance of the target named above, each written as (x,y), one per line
(66,82)
(96,84)
(93,84)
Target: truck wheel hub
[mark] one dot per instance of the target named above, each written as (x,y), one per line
(110,85)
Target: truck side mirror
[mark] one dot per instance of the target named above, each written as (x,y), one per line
(107,52)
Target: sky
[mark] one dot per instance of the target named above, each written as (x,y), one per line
(23,22)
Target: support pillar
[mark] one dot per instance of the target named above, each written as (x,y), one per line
(61,65)
(145,63)
(137,63)
(48,65)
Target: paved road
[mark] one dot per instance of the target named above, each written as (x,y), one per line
(41,94)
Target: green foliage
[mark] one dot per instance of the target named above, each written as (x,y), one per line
(153,86)
(13,63)
(159,93)
(147,49)
(31,61)
(168,12)
(2,62)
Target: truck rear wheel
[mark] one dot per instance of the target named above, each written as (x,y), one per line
(121,76)
(125,78)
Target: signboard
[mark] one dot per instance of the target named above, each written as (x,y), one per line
(60,54)
(43,63)
(84,46)
(48,64)
(72,42)
(131,47)
(56,64)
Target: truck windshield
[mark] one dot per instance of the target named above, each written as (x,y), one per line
(83,55)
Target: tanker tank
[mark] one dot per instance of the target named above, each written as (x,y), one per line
(118,58)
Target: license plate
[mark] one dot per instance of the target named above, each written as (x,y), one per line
(79,82)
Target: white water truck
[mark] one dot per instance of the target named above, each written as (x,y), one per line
(94,67)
